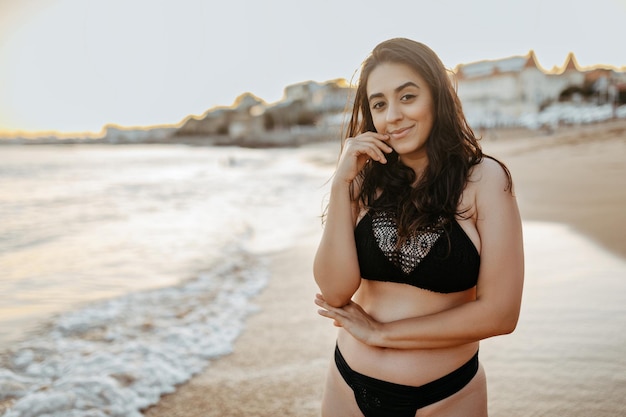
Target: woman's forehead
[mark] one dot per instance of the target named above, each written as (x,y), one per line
(389,77)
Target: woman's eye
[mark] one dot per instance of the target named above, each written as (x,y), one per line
(408,97)
(378,105)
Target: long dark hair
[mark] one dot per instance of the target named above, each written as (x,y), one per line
(452,147)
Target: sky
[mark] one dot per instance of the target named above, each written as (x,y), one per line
(76,65)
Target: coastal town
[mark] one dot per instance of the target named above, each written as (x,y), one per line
(510,92)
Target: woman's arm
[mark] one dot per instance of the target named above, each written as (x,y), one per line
(336,266)
(499,290)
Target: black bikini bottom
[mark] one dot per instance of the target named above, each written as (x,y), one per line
(378,398)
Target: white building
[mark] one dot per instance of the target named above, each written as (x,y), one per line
(327,97)
(501,92)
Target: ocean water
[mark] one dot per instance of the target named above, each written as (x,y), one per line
(126,269)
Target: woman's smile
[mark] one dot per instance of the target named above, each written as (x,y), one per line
(400,133)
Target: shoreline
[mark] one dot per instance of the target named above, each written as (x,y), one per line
(279,361)
(575,178)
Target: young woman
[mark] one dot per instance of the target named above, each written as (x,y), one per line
(421,255)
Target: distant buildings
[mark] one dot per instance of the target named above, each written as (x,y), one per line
(507,91)
(303,114)
(119,134)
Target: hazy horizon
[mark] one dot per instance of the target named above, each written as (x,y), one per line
(72,67)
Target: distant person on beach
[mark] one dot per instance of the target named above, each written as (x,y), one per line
(421,255)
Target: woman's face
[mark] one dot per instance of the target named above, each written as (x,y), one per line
(402,107)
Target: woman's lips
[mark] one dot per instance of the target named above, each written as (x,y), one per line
(399,133)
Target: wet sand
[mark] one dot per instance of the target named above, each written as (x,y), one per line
(565,358)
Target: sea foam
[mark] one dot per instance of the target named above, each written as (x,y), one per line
(117,357)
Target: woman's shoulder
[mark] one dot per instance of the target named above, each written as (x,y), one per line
(490,174)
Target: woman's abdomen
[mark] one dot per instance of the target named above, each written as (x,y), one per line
(387,302)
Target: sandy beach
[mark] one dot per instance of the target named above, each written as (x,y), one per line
(565,359)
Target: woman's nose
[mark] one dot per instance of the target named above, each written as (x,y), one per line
(393,113)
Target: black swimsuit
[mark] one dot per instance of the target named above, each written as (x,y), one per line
(377,398)
(441,259)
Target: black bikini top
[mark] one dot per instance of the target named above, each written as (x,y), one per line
(442,259)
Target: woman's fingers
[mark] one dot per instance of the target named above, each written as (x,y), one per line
(380,141)
(351,317)
(375,153)
(319,300)
(332,312)
(367,149)
(328,311)
(360,149)
(373,141)
(380,137)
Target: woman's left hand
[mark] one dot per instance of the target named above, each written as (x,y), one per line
(352,318)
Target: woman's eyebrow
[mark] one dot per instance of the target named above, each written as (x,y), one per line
(397,89)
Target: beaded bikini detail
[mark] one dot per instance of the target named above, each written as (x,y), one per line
(413,250)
